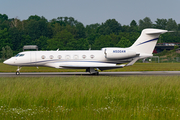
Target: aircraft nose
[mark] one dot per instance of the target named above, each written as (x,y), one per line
(8,62)
(5,62)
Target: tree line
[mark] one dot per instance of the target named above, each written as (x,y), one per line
(66,33)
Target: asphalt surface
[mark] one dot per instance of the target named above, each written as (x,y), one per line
(67,74)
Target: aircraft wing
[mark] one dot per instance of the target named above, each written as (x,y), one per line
(85,65)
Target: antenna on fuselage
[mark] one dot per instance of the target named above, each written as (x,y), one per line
(89,47)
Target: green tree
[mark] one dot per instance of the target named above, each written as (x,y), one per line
(4,21)
(124,42)
(41,42)
(82,44)
(133,26)
(145,23)
(56,28)
(110,26)
(80,30)
(6,52)
(133,23)
(26,40)
(170,37)
(178,27)
(161,23)
(91,32)
(36,26)
(133,36)
(102,41)
(16,38)
(34,17)
(64,40)
(126,28)
(9,52)
(3,53)
(91,29)
(5,38)
(91,38)
(171,25)
(3,17)
(114,39)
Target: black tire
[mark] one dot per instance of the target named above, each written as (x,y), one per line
(97,73)
(17,73)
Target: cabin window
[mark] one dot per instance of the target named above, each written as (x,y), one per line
(84,56)
(43,56)
(92,56)
(51,56)
(76,57)
(59,56)
(68,57)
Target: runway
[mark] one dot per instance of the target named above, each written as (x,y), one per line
(68,74)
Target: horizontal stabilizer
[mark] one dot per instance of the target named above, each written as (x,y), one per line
(155,31)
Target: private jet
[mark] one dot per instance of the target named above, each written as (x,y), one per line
(91,60)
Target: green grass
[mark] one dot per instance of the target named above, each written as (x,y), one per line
(131,97)
(135,67)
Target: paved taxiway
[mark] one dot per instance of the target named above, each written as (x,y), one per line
(66,74)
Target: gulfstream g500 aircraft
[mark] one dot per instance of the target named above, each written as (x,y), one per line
(91,60)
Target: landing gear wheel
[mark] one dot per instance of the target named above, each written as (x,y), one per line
(92,71)
(97,73)
(17,73)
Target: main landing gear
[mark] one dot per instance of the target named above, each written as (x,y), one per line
(92,71)
(18,71)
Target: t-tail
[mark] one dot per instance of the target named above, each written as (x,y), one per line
(146,42)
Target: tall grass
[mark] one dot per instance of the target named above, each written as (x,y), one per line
(133,97)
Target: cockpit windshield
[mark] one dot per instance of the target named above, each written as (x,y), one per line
(19,55)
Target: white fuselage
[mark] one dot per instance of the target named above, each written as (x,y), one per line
(56,58)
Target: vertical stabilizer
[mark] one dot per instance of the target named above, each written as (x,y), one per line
(147,40)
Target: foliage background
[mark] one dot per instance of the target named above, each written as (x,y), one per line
(66,33)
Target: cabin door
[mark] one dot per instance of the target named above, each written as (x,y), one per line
(33,58)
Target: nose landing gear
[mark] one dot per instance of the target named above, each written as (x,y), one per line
(18,71)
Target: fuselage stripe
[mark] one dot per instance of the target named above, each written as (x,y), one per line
(147,41)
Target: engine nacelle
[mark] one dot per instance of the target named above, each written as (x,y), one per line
(118,53)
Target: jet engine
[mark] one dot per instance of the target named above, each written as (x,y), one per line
(118,53)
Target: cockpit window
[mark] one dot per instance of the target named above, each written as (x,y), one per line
(17,55)
(21,55)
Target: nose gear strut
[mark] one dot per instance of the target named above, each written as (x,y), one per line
(18,70)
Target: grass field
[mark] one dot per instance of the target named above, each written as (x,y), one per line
(135,67)
(99,98)
(129,97)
